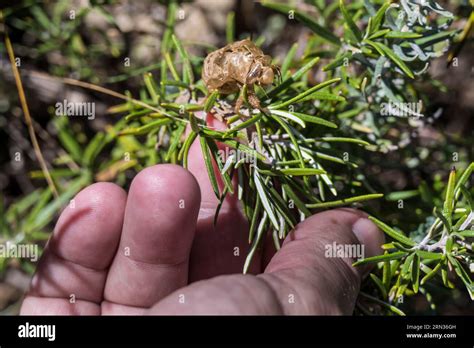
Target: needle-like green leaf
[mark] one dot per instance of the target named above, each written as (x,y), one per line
(305,19)
(415,273)
(376,21)
(188,76)
(386,257)
(305,93)
(295,77)
(385,51)
(449,198)
(209,165)
(379,285)
(230,27)
(264,199)
(210,101)
(398,236)
(349,21)
(345,201)
(288,59)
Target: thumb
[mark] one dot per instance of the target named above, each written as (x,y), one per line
(313,273)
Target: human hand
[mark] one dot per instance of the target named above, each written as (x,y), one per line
(156,251)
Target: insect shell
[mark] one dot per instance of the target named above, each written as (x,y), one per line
(228,69)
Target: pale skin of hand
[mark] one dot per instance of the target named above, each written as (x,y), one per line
(144,253)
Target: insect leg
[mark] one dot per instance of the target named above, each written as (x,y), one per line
(255,102)
(238,103)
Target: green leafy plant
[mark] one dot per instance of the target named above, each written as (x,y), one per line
(312,146)
(58,27)
(409,263)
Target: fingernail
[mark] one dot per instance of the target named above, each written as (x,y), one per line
(369,236)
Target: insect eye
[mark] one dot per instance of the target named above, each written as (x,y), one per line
(254,72)
(267,77)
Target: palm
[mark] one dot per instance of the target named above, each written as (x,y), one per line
(136,254)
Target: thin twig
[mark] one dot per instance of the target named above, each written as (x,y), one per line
(26,112)
(100,89)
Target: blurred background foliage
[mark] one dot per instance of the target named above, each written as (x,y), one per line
(128,47)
